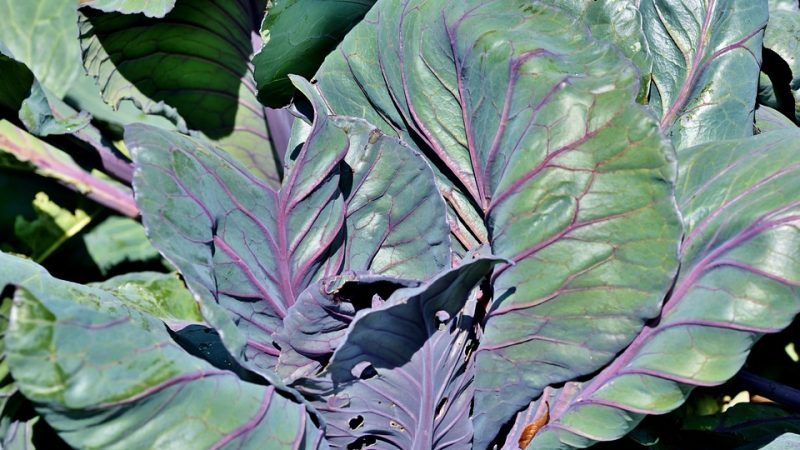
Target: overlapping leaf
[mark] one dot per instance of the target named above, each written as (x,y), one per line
(52,162)
(150,8)
(100,373)
(41,35)
(706,74)
(539,131)
(403,376)
(298,34)
(194,66)
(253,250)
(317,323)
(740,278)
(768,119)
(618,22)
(783,38)
(117,240)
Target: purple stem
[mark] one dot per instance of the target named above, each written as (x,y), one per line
(113,163)
(279,122)
(755,384)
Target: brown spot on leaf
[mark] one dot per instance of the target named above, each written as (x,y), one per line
(532,428)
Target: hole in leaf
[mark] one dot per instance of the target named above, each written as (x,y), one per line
(396,426)
(356,422)
(440,318)
(361,294)
(364,370)
(440,408)
(362,442)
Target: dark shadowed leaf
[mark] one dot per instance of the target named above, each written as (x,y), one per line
(403,376)
(783,38)
(297,35)
(51,228)
(193,66)
(42,35)
(100,373)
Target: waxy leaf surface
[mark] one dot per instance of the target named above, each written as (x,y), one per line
(253,249)
(539,133)
(705,77)
(101,373)
(739,279)
(783,37)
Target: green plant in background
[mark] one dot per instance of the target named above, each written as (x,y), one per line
(511,224)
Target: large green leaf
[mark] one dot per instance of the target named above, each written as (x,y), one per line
(739,279)
(193,66)
(150,8)
(540,131)
(706,74)
(253,249)
(43,35)
(52,162)
(102,374)
(298,35)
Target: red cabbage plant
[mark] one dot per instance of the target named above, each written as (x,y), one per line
(493,224)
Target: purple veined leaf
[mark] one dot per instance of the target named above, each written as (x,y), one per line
(706,76)
(619,22)
(238,242)
(739,279)
(208,42)
(403,377)
(317,323)
(540,133)
(54,163)
(252,250)
(103,375)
